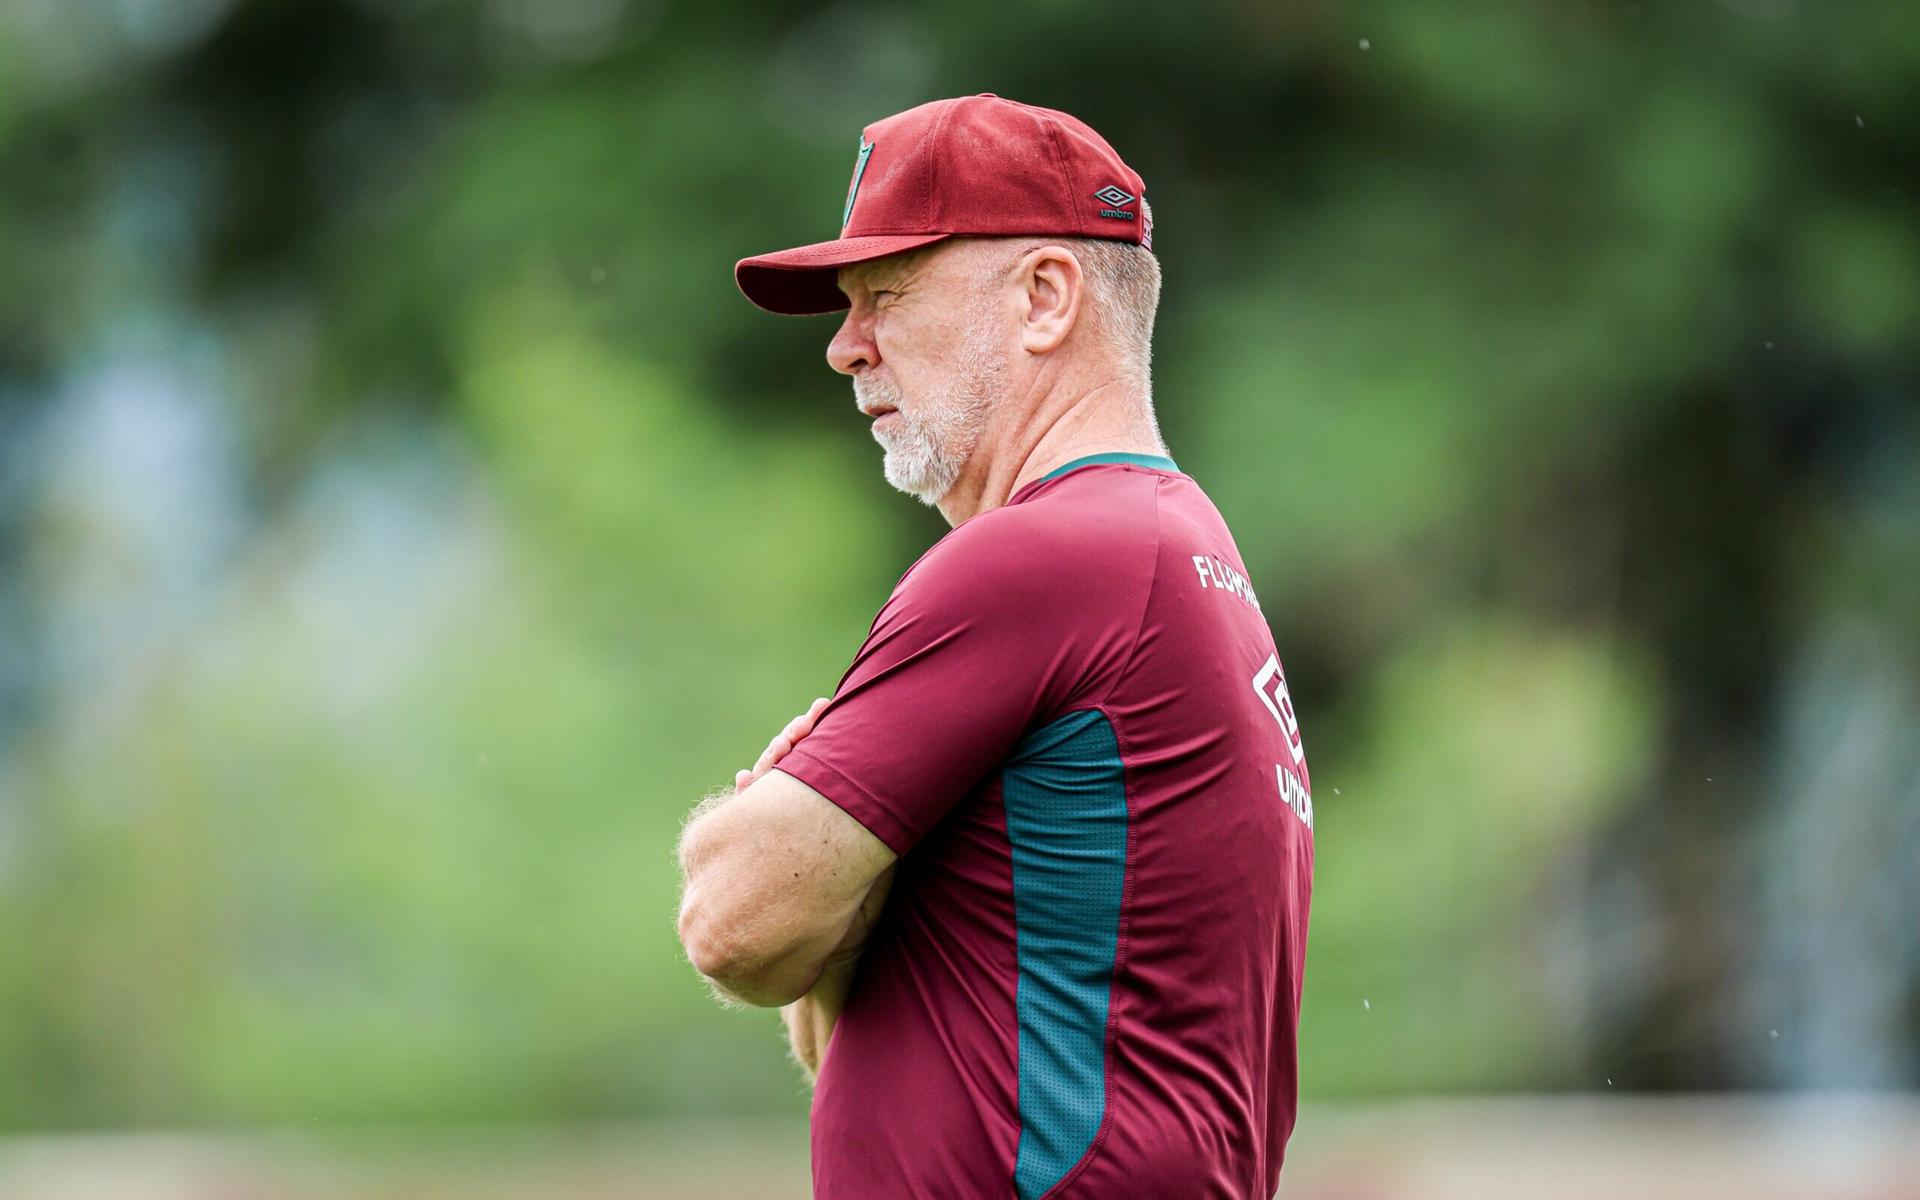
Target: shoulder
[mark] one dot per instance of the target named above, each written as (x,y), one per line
(1062,542)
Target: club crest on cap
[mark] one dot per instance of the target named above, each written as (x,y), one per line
(859,169)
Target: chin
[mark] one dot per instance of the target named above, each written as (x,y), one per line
(918,480)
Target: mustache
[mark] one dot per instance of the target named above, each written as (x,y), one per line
(867,390)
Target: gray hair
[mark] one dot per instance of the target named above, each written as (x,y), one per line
(1123,283)
(1123,291)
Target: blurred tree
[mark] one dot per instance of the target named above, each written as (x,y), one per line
(403,520)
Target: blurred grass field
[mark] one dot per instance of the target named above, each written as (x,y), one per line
(1835,1147)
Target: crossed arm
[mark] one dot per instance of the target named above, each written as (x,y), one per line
(781,888)
(810,1019)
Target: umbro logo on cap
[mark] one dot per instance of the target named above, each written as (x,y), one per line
(1116,201)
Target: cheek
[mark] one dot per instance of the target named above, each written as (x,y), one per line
(904,371)
(906,343)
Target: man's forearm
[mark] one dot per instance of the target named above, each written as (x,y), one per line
(811,1018)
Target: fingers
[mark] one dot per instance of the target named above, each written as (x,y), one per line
(784,741)
(775,751)
(802,725)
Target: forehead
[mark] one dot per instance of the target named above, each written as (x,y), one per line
(894,267)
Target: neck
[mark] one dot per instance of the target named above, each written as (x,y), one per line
(1110,415)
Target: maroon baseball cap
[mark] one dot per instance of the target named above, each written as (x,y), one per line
(978,165)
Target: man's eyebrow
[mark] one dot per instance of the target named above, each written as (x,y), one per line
(905,268)
(889,273)
(858,272)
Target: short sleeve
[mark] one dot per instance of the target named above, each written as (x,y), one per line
(998,628)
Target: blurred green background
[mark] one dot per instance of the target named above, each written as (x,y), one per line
(403,520)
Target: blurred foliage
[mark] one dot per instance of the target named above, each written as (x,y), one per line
(403,520)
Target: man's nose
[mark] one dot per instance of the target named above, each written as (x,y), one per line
(852,347)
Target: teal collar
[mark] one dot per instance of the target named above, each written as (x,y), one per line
(1159,462)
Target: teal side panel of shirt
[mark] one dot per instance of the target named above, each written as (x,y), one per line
(1066,806)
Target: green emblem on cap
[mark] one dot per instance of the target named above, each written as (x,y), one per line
(859,169)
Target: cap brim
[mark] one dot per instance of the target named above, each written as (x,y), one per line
(803,281)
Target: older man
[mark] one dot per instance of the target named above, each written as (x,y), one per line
(1032,885)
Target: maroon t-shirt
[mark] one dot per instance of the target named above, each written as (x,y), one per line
(1070,722)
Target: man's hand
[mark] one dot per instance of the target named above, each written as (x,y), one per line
(782,742)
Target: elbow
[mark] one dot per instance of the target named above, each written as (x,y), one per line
(709,946)
(719,950)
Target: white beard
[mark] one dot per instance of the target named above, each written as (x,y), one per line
(928,445)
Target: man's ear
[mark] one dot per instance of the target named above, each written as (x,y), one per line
(1052,288)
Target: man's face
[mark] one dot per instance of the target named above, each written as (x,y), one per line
(925,347)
